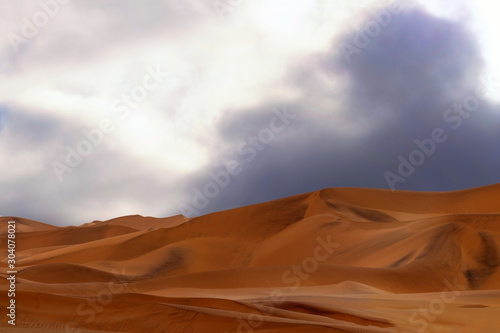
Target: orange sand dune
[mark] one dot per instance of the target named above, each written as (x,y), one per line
(142,222)
(335,260)
(25,225)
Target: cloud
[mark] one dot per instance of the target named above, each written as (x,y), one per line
(392,92)
(227,79)
(79,32)
(414,62)
(108,181)
(3,116)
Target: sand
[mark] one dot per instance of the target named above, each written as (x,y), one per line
(335,260)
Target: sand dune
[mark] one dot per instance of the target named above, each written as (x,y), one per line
(25,225)
(335,260)
(146,222)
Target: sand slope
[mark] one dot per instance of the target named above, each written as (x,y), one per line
(335,260)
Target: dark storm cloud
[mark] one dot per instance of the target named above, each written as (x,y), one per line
(400,87)
(411,69)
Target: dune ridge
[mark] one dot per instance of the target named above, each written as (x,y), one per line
(334,260)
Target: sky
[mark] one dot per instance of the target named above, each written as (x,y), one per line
(165,107)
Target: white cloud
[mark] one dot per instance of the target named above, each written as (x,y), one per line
(93,52)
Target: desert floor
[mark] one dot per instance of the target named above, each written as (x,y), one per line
(335,260)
